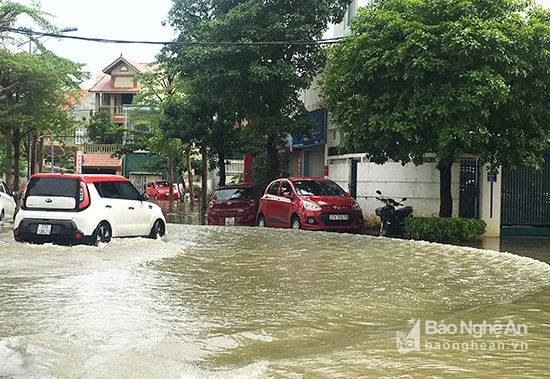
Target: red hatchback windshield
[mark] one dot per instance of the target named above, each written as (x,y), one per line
(318,188)
(232,193)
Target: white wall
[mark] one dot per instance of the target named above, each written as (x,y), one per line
(419,184)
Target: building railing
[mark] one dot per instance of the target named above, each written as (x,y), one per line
(119,110)
(98,148)
(234,167)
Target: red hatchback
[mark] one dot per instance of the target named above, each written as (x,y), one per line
(160,190)
(235,205)
(309,203)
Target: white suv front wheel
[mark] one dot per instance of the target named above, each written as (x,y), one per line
(158,230)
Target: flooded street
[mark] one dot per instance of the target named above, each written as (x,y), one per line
(217,302)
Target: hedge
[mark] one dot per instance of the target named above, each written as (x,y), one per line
(444,230)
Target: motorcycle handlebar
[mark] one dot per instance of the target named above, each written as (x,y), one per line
(388,200)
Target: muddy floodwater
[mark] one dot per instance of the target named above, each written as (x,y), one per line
(221,302)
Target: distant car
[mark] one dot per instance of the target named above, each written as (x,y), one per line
(8,204)
(160,190)
(74,209)
(309,203)
(235,205)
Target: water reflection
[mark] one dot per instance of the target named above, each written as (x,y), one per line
(209,302)
(178,212)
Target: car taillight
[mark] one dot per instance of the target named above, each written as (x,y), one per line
(83,196)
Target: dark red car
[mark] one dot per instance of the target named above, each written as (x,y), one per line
(309,203)
(235,205)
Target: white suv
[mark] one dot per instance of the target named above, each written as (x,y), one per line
(74,209)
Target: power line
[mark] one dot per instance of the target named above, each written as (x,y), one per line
(28,32)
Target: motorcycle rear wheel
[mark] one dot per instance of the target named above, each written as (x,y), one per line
(384,228)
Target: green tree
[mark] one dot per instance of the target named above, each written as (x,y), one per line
(102,130)
(249,68)
(448,78)
(191,119)
(33,88)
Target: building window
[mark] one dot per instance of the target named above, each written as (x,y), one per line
(352,11)
(79,136)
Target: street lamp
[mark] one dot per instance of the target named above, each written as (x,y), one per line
(69,29)
(64,30)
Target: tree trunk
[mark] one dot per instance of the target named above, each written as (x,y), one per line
(446,199)
(221,163)
(171,182)
(190,176)
(272,159)
(16,158)
(9,162)
(32,153)
(204,181)
(40,155)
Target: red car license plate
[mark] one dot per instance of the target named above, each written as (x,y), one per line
(337,217)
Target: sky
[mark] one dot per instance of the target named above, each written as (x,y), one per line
(132,20)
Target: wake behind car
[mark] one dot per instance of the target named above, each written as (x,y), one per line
(235,205)
(91,209)
(309,203)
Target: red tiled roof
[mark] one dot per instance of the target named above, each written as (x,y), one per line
(73,97)
(104,85)
(100,160)
(105,82)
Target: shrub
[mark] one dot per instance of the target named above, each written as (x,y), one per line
(444,230)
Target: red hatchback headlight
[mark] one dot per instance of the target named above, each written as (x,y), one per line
(310,206)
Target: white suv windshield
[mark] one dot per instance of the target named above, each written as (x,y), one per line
(60,187)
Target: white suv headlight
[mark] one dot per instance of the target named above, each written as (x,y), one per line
(311,206)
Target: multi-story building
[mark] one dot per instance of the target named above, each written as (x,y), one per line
(117,87)
(112,93)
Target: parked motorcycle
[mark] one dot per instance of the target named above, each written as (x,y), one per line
(392,219)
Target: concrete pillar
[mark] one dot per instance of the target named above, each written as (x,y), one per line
(489,188)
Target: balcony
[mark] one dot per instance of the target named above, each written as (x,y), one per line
(98,148)
(116,113)
(112,110)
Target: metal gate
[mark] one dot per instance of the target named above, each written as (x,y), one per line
(468,204)
(525,198)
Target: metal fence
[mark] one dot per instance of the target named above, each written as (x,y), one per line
(469,188)
(526,196)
